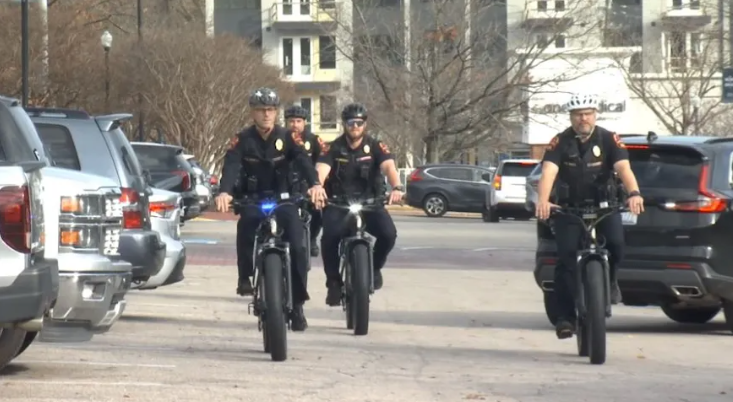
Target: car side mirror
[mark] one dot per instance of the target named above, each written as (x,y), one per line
(486,177)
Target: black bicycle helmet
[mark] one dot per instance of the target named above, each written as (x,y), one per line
(297,112)
(354,111)
(264,97)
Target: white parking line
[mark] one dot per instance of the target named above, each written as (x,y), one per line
(416,248)
(88,383)
(87,363)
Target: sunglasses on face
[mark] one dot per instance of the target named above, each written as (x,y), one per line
(355,122)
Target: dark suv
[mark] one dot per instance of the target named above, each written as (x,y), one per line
(169,170)
(678,252)
(97,145)
(442,188)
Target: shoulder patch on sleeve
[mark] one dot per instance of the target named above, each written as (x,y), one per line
(324,147)
(617,140)
(553,143)
(297,139)
(234,142)
(384,148)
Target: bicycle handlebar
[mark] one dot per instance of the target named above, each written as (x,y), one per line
(269,203)
(357,204)
(583,213)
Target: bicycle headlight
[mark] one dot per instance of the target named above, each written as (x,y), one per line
(355,208)
(273,225)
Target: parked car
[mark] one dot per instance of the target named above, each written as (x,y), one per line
(28,280)
(533,180)
(203,185)
(508,194)
(442,188)
(170,171)
(678,252)
(165,212)
(97,145)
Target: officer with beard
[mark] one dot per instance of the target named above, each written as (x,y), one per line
(352,166)
(260,158)
(296,118)
(583,159)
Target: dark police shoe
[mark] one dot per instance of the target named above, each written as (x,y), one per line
(564,329)
(378,280)
(298,322)
(315,251)
(245,288)
(333,298)
(615,293)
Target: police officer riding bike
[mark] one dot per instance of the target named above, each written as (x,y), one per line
(583,159)
(352,168)
(296,118)
(259,160)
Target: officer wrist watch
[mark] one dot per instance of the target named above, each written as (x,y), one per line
(634,193)
(399,188)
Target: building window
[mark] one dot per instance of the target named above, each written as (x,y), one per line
(542,40)
(328,118)
(305,56)
(623,26)
(307,104)
(559,5)
(542,5)
(560,41)
(327,52)
(677,51)
(288,56)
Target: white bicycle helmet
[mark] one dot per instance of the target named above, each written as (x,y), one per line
(582,101)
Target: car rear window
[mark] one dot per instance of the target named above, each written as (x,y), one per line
(60,146)
(520,169)
(675,168)
(14,144)
(159,158)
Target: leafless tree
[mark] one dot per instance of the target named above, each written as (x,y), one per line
(455,73)
(197,88)
(679,79)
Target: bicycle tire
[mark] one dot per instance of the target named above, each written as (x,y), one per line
(275,317)
(595,301)
(261,317)
(360,285)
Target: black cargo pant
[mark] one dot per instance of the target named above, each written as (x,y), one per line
(287,219)
(336,225)
(568,233)
(316,223)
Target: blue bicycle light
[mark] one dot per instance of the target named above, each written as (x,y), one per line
(267,206)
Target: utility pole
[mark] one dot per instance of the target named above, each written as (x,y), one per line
(141,112)
(25,51)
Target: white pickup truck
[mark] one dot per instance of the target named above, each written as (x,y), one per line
(60,272)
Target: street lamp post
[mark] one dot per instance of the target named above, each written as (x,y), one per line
(25,51)
(696,113)
(106,45)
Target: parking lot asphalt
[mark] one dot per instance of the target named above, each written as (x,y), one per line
(460,318)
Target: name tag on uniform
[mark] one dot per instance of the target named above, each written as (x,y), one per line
(342,160)
(364,158)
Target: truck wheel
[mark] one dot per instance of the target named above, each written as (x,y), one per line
(10,342)
(698,315)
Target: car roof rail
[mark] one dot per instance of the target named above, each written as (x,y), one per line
(111,122)
(57,112)
(719,140)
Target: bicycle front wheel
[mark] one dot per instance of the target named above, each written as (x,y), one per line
(360,284)
(275,318)
(595,319)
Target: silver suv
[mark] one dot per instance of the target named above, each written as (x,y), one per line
(508,193)
(78,141)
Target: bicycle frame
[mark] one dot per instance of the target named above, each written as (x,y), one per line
(359,236)
(591,249)
(268,239)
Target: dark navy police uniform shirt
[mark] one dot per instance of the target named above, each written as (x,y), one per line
(268,160)
(355,171)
